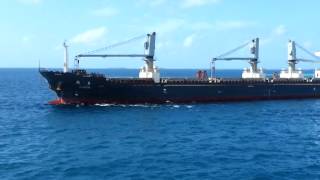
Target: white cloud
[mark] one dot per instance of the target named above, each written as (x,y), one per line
(89,36)
(172,25)
(32,2)
(159,45)
(221,25)
(153,3)
(202,26)
(162,44)
(307,44)
(26,39)
(280,30)
(317,53)
(227,25)
(105,12)
(188,41)
(197,3)
(168,26)
(277,32)
(156,3)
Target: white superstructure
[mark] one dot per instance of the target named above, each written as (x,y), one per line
(317,73)
(292,72)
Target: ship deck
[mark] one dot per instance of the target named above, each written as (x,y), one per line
(187,80)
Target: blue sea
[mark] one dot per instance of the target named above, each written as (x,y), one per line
(238,140)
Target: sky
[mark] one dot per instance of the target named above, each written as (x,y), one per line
(189,32)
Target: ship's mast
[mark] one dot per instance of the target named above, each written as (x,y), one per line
(293,59)
(253,72)
(149,49)
(292,56)
(292,72)
(149,70)
(255,51)
(66,58)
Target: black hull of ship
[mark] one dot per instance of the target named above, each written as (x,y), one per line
(82,88)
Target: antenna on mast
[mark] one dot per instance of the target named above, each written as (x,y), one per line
(66,57)
(39,67)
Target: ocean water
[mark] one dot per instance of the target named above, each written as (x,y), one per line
(238,140)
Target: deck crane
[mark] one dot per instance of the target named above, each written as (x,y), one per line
(292,72)
(249,73)
(149,71)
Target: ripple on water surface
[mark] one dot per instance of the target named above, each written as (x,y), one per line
(247,140)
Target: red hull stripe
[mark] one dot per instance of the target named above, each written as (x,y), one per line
(65,101)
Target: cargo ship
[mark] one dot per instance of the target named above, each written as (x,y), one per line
(77,86)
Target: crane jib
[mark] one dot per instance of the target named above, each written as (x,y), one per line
(110,55)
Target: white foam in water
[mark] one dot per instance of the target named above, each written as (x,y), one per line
(127,105)
(176,106)
(143,105)
(121,105)
(103,105)
(189,106)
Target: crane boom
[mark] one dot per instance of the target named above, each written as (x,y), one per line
(110,55)
(308,60)
(253,71)
(231,59)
